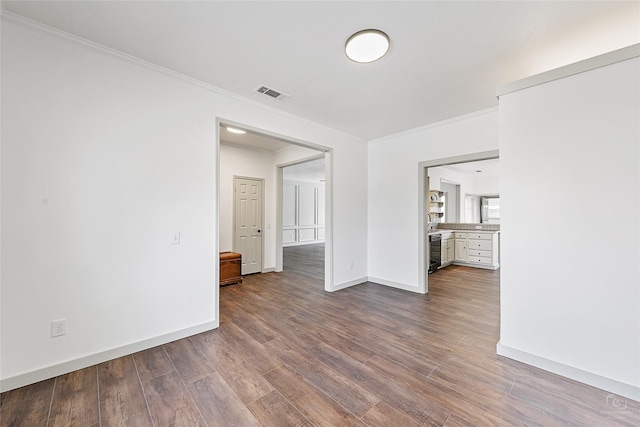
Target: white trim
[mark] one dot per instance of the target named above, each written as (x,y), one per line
(397,285)
(35,25)
(464,158)
(329,286)
(103,356)
(269,270)
(603,60)
(424,250)
(348,284)
(434,125)
(279,228)
(595,380)
(216,223)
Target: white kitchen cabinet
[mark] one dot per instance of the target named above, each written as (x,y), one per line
(447,251)
(477,249)
(460,249)
(451,250)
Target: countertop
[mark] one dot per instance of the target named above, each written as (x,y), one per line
(436,231)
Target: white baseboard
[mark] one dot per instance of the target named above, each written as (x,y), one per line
(103,356)
(348,284)
(269,270)
(396,285)
(616,387)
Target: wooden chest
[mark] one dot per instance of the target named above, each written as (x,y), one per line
(230,268)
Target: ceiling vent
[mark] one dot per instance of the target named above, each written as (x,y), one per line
(272,93)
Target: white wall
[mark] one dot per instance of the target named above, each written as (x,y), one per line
(103,159)
(236,161)
(439,173)
(303,213)
(393,190)
(486,184)
(570,283)
(451,204)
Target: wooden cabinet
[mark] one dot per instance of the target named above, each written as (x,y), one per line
(230,268)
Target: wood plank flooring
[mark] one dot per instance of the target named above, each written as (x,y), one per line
(306,260)
(289,354)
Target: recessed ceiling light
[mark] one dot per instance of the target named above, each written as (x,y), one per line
(234,130)
(367,46)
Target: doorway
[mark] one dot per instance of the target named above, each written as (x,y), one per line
(423,204)
(303,217)
(261,154)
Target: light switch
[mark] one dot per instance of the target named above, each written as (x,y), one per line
(175,238)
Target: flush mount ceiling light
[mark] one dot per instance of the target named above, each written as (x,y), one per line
(234,130)
(367,46)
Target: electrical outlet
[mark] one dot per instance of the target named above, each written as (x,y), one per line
(58,327)
(350,265)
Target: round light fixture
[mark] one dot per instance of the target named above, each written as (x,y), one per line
(367,46)
(234,130)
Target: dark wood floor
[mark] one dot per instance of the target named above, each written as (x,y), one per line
(306,260)
(289,354)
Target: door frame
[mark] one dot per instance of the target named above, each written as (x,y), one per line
(328,247)
(423,205)
(235,228)
(279,202)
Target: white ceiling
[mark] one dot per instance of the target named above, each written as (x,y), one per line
(312,171)
(252,140)
(446,57)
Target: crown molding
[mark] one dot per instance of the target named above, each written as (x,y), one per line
(14,18)
(589,64)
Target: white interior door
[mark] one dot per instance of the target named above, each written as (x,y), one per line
(248,223)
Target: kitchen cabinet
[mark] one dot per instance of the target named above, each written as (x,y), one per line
(451,250)
(477,249)
(460,249)
(447,251)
